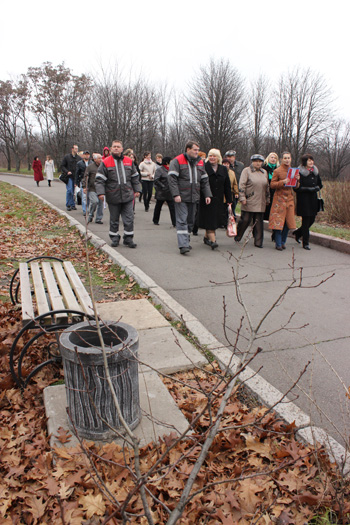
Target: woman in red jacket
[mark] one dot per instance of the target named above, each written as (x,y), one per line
(38,170)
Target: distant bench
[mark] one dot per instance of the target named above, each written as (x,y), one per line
(52,298)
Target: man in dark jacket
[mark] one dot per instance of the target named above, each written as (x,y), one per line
(79,175)
(89,189)
(236,165)
(118,179)
(69,166)
(187,178)
(163,194)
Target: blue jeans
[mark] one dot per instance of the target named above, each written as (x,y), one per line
(84,199)
(70,193)
(281,235)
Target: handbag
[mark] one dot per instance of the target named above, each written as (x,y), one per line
(231,230)
(320,202)
(64,177)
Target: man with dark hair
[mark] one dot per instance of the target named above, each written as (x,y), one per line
(187,178)
(79,175)
(69,166)
(236,165)
(118,179)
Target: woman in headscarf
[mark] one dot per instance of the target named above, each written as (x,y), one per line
(210,215)
(254,195)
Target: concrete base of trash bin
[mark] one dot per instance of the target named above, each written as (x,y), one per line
(90,404)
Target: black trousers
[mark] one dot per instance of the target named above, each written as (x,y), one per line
(248,217)
(158,209)
(303,231)
(147,188)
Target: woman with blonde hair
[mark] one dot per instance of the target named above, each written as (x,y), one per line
(270,165)
(210,215)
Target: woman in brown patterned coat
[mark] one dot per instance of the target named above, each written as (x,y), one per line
(282,210)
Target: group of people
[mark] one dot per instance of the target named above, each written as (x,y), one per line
(198,188)
(266,191)
(49,170)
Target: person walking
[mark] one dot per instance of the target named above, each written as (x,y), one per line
(117,178)
(282,217)
(49,169)
(234,189)
(236,165)
(210,216)
(307,203)
(163,193)
(79,175)
(38,170)
(68,166)
(271,163)
(89,189)
(187,178)
(147,170)
(254,195)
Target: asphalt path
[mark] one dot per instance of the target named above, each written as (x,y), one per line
(319,331)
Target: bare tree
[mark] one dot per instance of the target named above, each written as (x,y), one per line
(301,109)
(216,105)
(258,107)
(13,122)
(59,105)
(177,126)
(335,149)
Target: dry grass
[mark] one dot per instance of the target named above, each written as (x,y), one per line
(336,197)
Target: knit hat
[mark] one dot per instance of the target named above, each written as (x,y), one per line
(256,156)
(166,160)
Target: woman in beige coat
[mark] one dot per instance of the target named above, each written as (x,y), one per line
(282,210)
(254,194)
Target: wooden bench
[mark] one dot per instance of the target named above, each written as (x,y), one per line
(52,298)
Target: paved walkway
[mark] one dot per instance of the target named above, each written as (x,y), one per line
(202,281)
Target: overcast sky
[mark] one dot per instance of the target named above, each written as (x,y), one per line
(167,41)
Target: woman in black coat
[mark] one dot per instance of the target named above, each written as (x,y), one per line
(307,205)
(210,215)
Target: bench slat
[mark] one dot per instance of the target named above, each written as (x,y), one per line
(79,288)
(39,289)
(53,291)
(26,294)
(69,298)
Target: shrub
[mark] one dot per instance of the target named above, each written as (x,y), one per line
(336,197)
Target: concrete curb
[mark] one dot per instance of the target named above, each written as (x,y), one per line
(264,391)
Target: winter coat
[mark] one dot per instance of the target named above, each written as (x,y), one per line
(49,169)
(161,184)
(80,171)
(147,169)
(270,171)
(310,183)
(187,178)
(89,177)
(282,208)
(234,184)
(118,179)
(238,168)
(254,188)
(69,163)
(38,170)
(210,215)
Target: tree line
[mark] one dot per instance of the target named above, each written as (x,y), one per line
(49,108)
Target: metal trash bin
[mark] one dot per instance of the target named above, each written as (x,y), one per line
(89,397)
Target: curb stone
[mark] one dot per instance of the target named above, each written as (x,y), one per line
(264,391)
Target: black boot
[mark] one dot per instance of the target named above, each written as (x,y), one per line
(115,241)
(128,240)
(49,183)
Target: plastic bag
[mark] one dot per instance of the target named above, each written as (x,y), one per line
(231,223)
